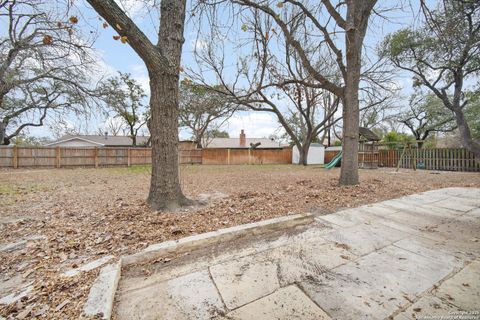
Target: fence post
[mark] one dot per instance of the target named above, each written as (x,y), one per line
(415,156)
(128,157)
(15,157)
(401,157)
(228,156)
(96,157)
(57,157)
(249,155)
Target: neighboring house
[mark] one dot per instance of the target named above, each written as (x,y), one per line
(184,145)
(242,142)
(97,141)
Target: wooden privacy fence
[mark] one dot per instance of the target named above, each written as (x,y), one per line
(57,157)
(65,157)
(448,159)
(455,159)
(247,156)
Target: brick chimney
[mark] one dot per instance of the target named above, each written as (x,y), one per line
(243,139)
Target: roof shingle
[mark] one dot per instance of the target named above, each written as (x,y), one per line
(106,140)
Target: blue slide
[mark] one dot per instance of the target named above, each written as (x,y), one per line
(334,161)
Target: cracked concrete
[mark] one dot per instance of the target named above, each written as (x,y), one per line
(412,257)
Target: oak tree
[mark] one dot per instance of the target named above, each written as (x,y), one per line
(203,110)
(331,27)
(162,59)
(443,55)
(425,115)
(45,66)
(125,98)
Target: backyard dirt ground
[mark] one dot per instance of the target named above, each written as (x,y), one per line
(85,214)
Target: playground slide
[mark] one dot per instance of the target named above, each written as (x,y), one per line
(334,161)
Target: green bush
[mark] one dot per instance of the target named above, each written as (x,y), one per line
(395,140)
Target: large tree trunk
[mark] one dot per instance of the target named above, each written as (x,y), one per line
(351,114)
(465,134)
(163,64)
(349,169)
(165,190)
(358,13)
(303,153)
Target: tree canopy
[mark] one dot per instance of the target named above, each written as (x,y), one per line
(125,98)
(45,66)
(203,109)
(443,55)
(425,115)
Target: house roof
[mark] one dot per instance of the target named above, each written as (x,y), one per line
(234,143)
(103,140)
(368,134)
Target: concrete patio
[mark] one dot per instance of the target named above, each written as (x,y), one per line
(413,257)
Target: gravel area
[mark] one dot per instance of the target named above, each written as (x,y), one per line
(80,215)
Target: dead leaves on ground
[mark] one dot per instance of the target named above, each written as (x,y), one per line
(87,213)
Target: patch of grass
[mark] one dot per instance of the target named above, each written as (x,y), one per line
(10,193)
(12,189)
(6,189)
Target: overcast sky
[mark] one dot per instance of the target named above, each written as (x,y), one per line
(116,56)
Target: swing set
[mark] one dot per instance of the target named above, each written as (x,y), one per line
(407,147)
(408,153)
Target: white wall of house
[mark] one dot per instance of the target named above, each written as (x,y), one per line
(316,154)
(74,143)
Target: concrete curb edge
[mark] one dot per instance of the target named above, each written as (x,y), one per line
(101,297)
(158,250)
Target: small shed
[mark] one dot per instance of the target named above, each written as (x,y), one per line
(367,149)
(316,154)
